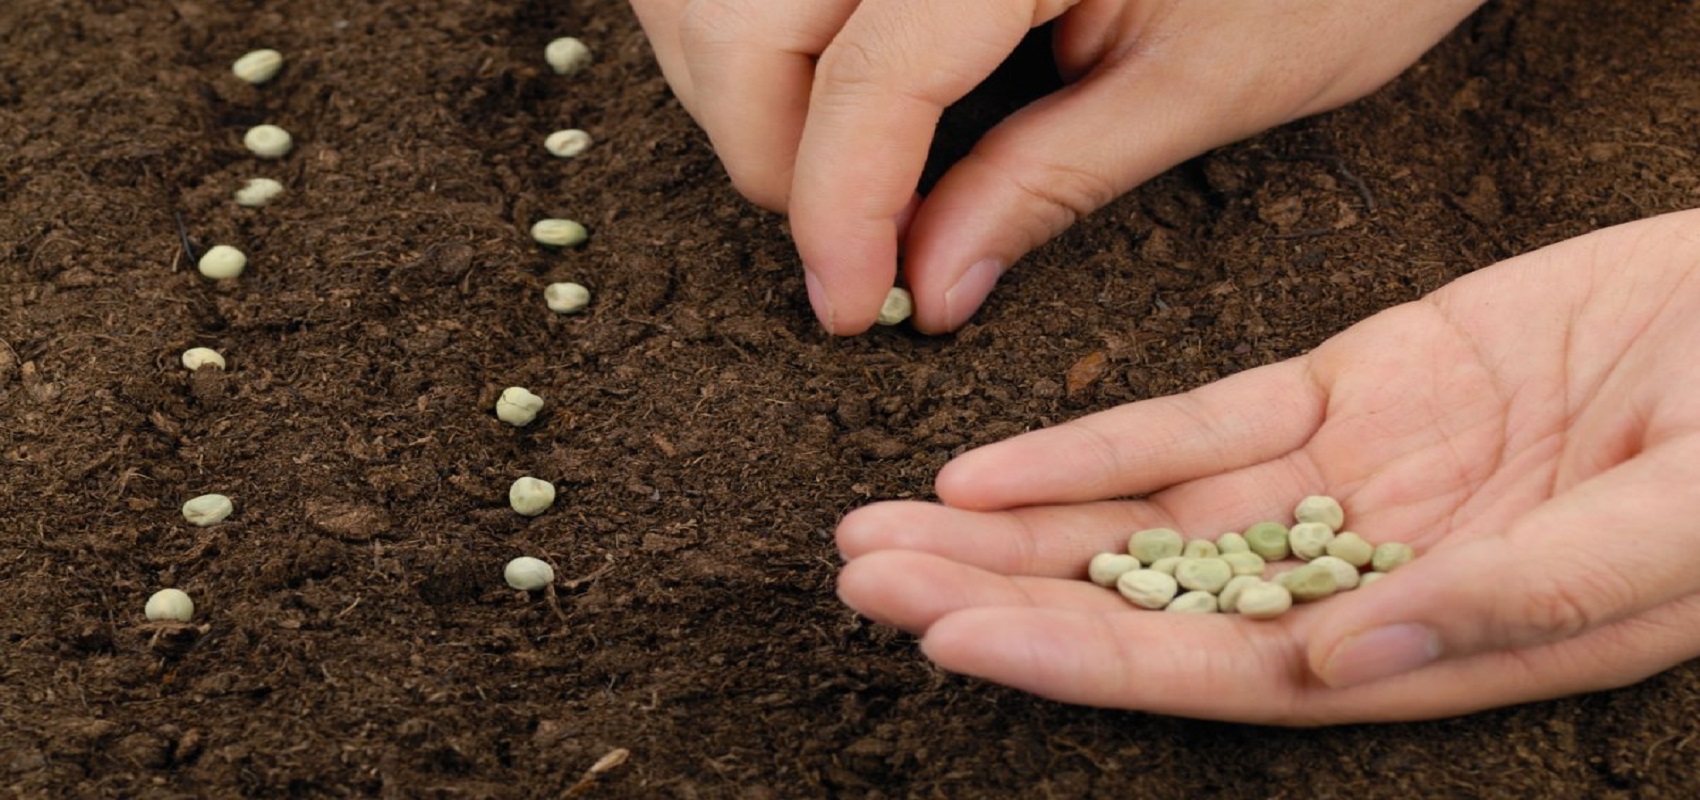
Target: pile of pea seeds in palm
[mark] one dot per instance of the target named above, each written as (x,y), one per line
(1162,570)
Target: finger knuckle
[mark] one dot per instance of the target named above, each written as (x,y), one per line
(1566,603)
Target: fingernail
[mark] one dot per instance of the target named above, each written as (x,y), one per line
(1381,653)
(817,299)
(964,298)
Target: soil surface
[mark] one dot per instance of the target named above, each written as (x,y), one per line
(353,636)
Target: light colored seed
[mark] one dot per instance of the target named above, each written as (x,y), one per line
(1245,563)
(1194,602)
(898,306)
(1232,542)
(1166,565)
(1320,508)
(567,55)
(1264,601)
(258,192)
(196,357)
(1153,543)
(1345,575)
(1200,548)
(517,406)
(531,496)
(1268,539)
(268,141)
(258,66)
(1230,597)
(208,509)
(171,605)
(1307,583)
(1203,574)
(1350,548)
(1147,588)
(222,261)
(1370,577)
(1390,556)
(569,143)
(528,574)
(566,298)
(1105,568)
(1309,539)
(559,233)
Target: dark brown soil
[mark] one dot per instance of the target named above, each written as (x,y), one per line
(354,636)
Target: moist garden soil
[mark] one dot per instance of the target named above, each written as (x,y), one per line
(353,636)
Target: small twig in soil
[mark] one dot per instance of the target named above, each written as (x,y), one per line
(613,759)
(183,235)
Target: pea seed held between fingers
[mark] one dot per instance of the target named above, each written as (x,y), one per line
(528,574)
(1245,563)
(1390,556)
(1307,583)
(1269,540)
(1199,548)
(1203,574)
(531,496)
(1229,599)
(1232,542)
(1345,575)
(569,143)
(208,509)
(1350,548)
(567,55)
(169,605)
(1153,543)
(268,141)
(1309,539)
(1320,508)
(1263,600)
(1370,577)
(559,233)
(566,298)
(898,306)
(1147,588)
(1194,602)
(196,357)
(222,261)
(258,66)
(1167,564)
(517,406)
(1105,568)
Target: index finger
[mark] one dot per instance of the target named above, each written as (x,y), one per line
(878,92)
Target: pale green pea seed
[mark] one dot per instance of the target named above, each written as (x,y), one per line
(1204,574)
(1200,548)
(1147,588)
(1350,548)
(1268,539)
(1105,568)
(1153,543)
(1232,542)
(1369,578)
(1320,508)
(1309,539)
(1229,599)
(1264,601)
(1390,556)
(1194,602)
(1307,583)
(1166,565)
(1245,563)
(1345,575)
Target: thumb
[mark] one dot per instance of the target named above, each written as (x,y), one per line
(1602,551)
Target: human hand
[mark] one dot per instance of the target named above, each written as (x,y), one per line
(1533,429)
(825,109)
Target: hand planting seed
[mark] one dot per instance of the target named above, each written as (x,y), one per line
(1309,539)
(268,141)
(566,298)
(222,261)
(569,143)
(208,509)
(1320,508)
(528,574)
(1232,542)
(1307,583)
(566,55)
(258,192)
(1269,540)
(1194,602)
(517,406)
(1229,599)
(1147,588)
(531,496)
(258,66)
(559,233)
(898,306)
(1200,548)
(196,357)
(1351,548)
(1203,574)
(1105,568)
(171,605)
(1345,575)
(1263,600)
(1390,556)
(1153,543)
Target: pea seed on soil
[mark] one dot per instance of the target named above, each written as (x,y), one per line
(1236,573)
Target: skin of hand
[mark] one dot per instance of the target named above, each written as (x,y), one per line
(824,109)
(1532,429)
